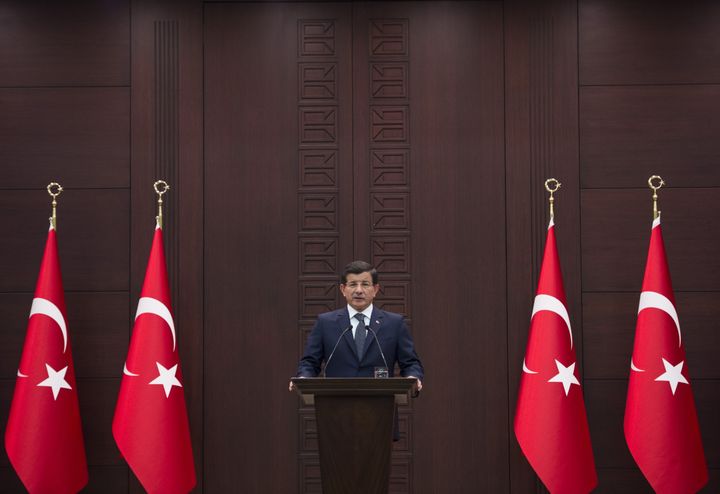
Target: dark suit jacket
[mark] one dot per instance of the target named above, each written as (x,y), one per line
(391,331)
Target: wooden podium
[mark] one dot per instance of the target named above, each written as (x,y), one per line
(355,417)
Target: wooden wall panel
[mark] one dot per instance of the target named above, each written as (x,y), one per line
(648,43)
(98,323)
(609,323)
(616,261)
(271,233)
(541,142)
(93,238)
(606,409)
(648,93)
(457,229)
(64,72)
(79,43)
(167,137)
(628,133)
(78,137)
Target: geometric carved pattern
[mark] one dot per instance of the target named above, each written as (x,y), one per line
(400,476)
(390,211)
(389,80)
(317,81)
(318,256)
(316,38)
(308,431)
(305,330)
(391,254)
(318,229)
(317,297)
(318,212)
(389,37)
(395,296)
(310,475)
(389,124)
(318,125)
(404,444)
(318,168)
(389,167)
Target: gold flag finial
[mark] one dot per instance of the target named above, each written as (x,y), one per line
(57,188)
(160,187)
(552,185)
(655,188)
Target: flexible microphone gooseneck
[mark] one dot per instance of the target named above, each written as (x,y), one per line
(379,347)
(327,362)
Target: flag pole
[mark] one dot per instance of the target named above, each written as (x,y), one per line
(160,187)
(552,185)
(655,188)
(57,191)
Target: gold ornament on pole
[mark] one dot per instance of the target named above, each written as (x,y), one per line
(160,187)
(57,188)
(660,182)
(552,185)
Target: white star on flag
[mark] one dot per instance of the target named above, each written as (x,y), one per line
(55,380)
(565,375)
(166,378)
(673,375)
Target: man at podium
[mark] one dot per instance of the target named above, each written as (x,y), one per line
(360,340)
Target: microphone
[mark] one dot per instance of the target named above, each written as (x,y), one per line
(327,362)
(379,347)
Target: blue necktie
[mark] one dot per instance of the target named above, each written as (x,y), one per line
(360,334)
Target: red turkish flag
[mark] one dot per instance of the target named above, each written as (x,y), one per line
(661,426)
(151,425)
(550,420)
(44,438)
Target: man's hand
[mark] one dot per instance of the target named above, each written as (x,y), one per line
(419,383)
(291,386)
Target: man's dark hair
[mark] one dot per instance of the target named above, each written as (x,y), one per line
(359,267)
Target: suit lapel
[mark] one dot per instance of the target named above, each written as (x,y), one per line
(375,324)
(344,323)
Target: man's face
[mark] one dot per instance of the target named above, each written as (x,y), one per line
(359,290)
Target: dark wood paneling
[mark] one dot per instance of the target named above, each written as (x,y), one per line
(93,238)
(541,142)
(630,133)
(97,399)
(649,42)
(98,325)
(97,406)
(609,325)
(75,43)
(616,233)
(101,480)
(631,481)
(606,408)
(254,131)
(167,136)
(81,136)
(458,250)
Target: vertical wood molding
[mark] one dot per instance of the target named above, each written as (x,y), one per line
(541,142)
(167,144)
(167,73)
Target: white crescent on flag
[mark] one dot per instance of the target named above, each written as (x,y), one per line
(148,305)
(654,300)
(47,308)
(127,372)
(526,370)
(634,367)
(552,304)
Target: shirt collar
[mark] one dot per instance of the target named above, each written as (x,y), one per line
(367,312)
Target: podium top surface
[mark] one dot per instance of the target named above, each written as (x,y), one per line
(400,387)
